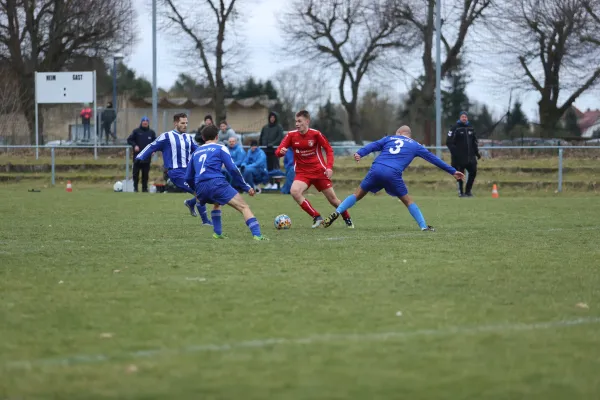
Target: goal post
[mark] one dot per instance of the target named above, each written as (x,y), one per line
(65,88)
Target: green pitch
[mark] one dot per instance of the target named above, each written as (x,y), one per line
(106,295)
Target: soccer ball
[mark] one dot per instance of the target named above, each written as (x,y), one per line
(118,186)
(283,222)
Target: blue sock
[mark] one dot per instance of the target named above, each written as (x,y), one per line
(414,210)
(203,214)
(254,226)
(346,204)
(216,220)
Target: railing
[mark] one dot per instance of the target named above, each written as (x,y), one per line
(488,152)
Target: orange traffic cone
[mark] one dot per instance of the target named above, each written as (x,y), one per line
(69,187)
(495,192)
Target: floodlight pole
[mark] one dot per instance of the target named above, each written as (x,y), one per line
(438,78)
(154,85)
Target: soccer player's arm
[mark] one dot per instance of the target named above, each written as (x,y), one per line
(433,159)
(322,140)
(287,140)
(194,146)
(235,173)
(371,147)
(190,173)
(157,145)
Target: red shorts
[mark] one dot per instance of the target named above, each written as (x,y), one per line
(319,183)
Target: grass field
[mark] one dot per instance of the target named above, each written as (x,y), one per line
(106,295)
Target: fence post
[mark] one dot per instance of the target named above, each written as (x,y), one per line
(52,167)
(126,165)
(560,169)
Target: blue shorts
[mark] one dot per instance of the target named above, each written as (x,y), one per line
(382,177)
(177,176)
(215,191)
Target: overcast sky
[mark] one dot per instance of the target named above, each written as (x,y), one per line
(261,32)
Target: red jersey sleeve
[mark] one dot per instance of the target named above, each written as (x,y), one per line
(287,140)
(322,140)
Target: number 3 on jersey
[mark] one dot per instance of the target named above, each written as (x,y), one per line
(201,160)
(399,144)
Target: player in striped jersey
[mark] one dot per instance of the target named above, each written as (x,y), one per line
(177,149)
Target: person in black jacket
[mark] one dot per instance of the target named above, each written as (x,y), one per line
(462,143)
(139,139)
(208,121)
(271,136)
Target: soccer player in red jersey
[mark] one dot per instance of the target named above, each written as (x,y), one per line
(310,167)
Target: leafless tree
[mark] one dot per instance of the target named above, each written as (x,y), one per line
(295,94)
(10,107)
(45,35)
(462,15)
(556,45)
(355,36)
(207,25)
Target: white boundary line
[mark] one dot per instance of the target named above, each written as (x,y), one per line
(309,340)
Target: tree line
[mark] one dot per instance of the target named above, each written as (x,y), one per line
(550,47)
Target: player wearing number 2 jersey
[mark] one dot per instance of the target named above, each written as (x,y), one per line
(310,167)
(397,152)
(204,174)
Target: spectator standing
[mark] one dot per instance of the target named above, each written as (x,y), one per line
(208,121)
(225,132)
(86,117)
(271,136)
(254,166)
(108,117)
(139,139)
(463,146)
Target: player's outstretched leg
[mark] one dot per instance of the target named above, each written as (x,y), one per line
(334,201)
(203,214)
(239,204)
(297,192)
(342,208)
(414,210)
(216,222)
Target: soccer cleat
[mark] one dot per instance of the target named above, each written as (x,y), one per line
(429,228)
(207,223)
(260,238)
(221,236)
(349,223)
(191,207)
(468,194)
(317,221)
(332,217)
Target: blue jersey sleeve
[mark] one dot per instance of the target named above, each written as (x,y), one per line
(235,173)
(433,159)
(157,145)
(371,147)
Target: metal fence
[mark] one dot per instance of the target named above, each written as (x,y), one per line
(542,163)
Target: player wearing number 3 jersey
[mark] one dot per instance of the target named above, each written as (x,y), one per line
(397,152)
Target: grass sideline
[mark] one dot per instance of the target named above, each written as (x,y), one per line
(133,278)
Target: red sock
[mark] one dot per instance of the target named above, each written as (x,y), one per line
(308,208)
(346,215)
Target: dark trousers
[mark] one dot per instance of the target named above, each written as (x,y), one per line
(272,160)
(471,168)
(145,168)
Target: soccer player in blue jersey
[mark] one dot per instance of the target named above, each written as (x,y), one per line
(177,148)
(204,173)
(397,152)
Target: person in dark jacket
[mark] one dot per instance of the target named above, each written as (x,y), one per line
(108,117)
(139,139)
(208,121)
(271,136)
(464,149)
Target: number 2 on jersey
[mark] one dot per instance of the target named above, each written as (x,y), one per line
(201,160)
(399,144)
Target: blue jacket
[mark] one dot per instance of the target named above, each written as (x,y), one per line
(255,159)
(238,154)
